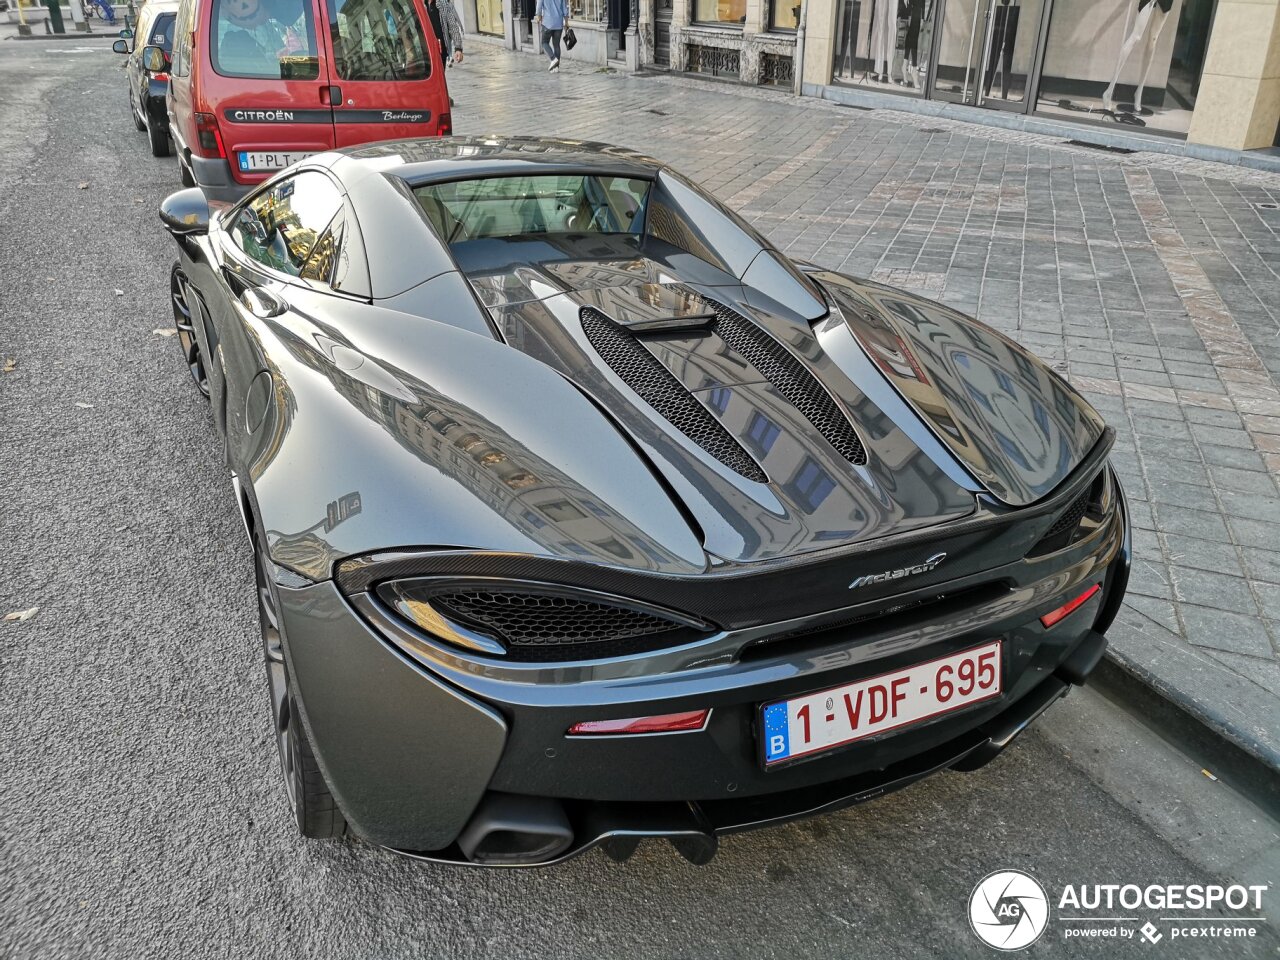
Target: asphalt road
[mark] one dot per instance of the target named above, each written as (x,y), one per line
(142,811)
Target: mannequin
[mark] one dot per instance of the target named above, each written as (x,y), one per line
(1004,35)
(1149,23)
(916,12)
(884,36)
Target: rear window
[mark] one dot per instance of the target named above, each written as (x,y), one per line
(161,32)
(267,39)
(378,40)
(534,206)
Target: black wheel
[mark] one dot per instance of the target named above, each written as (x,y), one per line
(133,111)
(159,141)
(186,330)
(185,173)
(314,809)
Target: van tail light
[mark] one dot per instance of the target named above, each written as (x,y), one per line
(666,723)
(208,138)
(1053,616)
(446,125)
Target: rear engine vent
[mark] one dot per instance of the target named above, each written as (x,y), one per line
(659,388)
(545,627)
(791,378)
(1080,517)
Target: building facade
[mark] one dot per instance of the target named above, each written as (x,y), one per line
(1207,71)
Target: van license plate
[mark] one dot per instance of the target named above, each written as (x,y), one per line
(251,162)
(831,718)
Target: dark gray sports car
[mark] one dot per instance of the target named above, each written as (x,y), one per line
(582,515)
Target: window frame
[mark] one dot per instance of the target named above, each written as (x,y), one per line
(351,241)
(769,27)
(737,25)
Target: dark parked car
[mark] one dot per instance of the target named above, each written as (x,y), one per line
(581,514)
(149,50)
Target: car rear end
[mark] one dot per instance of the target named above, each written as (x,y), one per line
(157,81)
(274,84)
(510,710)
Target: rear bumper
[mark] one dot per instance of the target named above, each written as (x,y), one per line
(414,746)
(215,179)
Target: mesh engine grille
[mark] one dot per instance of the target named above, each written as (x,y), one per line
(531,619)
(791,379)
(659,388)
(1070,518)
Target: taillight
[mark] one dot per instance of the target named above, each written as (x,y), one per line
(446,125)
(1053,616)
(208,138)
(665,723)
(161,76)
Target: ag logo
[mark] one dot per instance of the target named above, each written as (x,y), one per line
(1008,910)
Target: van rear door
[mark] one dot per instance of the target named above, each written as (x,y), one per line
(384,58)
(267,87)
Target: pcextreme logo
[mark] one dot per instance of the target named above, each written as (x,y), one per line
(1009,910)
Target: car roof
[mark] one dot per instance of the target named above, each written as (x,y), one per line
(424,161)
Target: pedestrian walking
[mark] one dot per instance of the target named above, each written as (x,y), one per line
(552,15)
(448,27)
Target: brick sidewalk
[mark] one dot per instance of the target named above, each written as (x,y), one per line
(1150,281)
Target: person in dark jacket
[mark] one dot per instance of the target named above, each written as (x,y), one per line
(448,27)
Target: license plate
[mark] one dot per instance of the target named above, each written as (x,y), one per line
(253,162)
(832,718)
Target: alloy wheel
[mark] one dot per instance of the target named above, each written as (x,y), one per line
(182,320)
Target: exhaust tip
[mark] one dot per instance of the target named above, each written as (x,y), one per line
(509,829)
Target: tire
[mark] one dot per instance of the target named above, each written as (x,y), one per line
(184,323)
(184,172)
(133,111)
(315,811)
(159,141)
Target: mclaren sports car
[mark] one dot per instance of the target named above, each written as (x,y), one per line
(583,515)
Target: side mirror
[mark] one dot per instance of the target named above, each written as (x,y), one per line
(154,60)
(185,213)
(126,33)
(120,46)
(262,303)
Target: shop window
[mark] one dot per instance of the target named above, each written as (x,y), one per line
(593,11)
(784,15)
(1129,63)
(884,44)
(720,11)
(489,17)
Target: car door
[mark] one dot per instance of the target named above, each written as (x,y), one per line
(265,244)
(133,65)
(386,71)
(267,87)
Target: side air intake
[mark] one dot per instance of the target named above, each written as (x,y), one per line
(657,386)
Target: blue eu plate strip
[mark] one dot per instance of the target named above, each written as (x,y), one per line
(777,744)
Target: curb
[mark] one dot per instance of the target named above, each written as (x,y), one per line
(67,36)
(1220,747)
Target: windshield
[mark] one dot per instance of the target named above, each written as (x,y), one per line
(534,206)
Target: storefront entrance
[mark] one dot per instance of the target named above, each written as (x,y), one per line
(988,52)
(1127,63)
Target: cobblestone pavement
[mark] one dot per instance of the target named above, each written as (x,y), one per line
(1150,281)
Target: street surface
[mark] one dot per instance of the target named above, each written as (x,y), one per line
(143,813)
